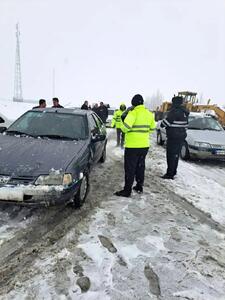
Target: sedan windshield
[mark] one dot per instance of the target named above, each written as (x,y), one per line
(50,125)
(204,123)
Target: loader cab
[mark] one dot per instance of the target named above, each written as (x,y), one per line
(189,97)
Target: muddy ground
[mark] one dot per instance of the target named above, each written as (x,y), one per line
(150,246)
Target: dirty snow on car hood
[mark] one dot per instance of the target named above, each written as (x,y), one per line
(34,156)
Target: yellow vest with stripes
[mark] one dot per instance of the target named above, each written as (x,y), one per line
(116,121)
(137,125)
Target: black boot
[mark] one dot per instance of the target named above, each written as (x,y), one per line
(138,188)
(123,193)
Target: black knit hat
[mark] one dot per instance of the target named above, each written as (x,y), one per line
(177,100)
(137,100)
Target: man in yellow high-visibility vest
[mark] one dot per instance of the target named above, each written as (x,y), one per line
(117,122)
(137,125)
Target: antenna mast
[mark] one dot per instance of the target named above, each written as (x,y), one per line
(18,96)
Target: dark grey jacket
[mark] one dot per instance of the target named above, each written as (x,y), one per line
(176,122)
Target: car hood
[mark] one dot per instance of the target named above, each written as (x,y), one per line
(207,136)
(27,156)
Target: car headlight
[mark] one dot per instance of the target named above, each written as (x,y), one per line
(202,145)
(54,179)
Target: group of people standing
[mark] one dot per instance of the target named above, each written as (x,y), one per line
(55,102)
(135,124)
(101,110)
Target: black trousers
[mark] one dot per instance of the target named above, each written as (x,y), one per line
(134,166)
(173,149)
(120,137)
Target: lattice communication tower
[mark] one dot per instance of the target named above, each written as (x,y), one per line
(18,95)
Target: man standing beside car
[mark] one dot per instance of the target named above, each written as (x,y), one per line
(138,123)
(42,104)
(175,123)
(84,105)
(56,103)
(102,112)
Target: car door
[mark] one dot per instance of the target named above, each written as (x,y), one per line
(96,145)
(102,132)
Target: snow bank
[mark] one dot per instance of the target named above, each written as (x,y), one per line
(10,110)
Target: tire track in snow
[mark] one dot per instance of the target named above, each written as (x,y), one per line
(19,253)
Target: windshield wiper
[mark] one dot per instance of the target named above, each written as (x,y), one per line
(57,136)
(19,132)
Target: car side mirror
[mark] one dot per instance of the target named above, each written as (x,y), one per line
(97,138)
(2,120)
(3,129)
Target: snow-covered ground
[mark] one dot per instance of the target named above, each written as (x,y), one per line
(163,244)
(150,246)
(10,110)
(202,183)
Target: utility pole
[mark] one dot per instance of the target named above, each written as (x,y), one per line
(18,96)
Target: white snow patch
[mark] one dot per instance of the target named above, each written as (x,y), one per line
(131,252)
(199,183)
(195,294)
(94,250)
(12,110)
(156,241)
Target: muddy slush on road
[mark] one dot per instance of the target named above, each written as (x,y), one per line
(151,246)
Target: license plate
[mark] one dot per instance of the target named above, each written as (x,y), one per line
(11,194)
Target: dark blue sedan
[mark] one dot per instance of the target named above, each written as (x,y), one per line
(47,154)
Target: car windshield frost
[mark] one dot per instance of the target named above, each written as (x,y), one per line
(204,124)
(50,124)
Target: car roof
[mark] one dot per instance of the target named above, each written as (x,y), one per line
(75,111)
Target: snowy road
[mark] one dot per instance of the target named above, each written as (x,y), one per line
(168,243)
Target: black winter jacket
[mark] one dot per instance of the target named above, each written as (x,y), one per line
(84,106)
(176,123)
(102,112)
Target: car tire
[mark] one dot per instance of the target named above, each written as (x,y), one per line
(159,138)
(184,153)
(80,196)
(103,157)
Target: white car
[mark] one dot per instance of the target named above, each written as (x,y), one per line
(111,111)
(4,122)
(205,138)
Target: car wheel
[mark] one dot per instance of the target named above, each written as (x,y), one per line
(103,157)
(159,138)
(184,153)
(81,195)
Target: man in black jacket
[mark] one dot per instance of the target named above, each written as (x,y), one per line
(175,123)
(56,103)
(42,104)
(85,105)
(102,112)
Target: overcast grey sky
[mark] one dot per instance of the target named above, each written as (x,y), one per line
(111,49)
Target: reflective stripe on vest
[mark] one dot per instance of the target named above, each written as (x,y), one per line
(133,128)
(178,124)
